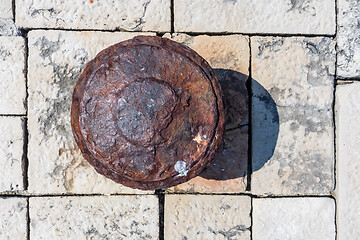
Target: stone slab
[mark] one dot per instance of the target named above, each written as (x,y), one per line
(6,9)
(348,161)
(100,217)
(229,56)
(142,15)
(11,153)
(12,67)
(56,59)
(260,16)
(348,39)
(13,218)
(293,140)
(207,217)
(7,26)
(293,218)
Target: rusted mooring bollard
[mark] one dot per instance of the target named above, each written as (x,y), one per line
(148,113)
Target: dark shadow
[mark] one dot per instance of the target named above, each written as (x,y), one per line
(232,158)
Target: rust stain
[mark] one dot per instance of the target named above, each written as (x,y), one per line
(91,1)
(148,113)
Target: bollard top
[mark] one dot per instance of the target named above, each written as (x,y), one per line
(148,113)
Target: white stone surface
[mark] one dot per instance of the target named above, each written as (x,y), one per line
(141,15)
(294,218)
(7,26)
(56,59)
(207,217)
(12,77)
(348,39)
(348,161)
(11,151)
(255,16)
(6,9)
(293,140)
(100,217)
(13,218)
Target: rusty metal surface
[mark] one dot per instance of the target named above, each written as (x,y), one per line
(148,113)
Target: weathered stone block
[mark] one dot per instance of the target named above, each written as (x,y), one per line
(229,56)
(12,67)
(56,59)
(142,15)
(13,218)
(6,9)
(293,140)
(348,39)
(11,151)
(101,217)
(7,26)
(293,218)
(207,217)
(306,17)
(348,161)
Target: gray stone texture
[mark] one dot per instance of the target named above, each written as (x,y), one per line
(348,39)
(207,217)
(12,75)
(56,59)
(13,218)
(11,153)
(293,140)
(100,217)
(260,16)
(348,161)
(129,15)
(294,219)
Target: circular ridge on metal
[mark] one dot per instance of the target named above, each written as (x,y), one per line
(148,113)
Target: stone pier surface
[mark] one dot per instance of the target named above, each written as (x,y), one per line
(100,217)
(7,26)
(128,15)
(293,140)
(249,16)
(294,218)
(290,75)
(11,153)
(348,39)
(207,217)
(12,75)
(13,218)
(56,59)
(348,160)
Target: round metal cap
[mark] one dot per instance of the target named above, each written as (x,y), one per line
(148,113)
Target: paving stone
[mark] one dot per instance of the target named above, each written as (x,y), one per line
(348,39)
(293,218)
(6,9)
(13,218)
(260,16)
(141,15)
(207,217)
(348,161)
(12,84)
(7,26)
(56,59)
(100,217)
(229,56)
(11,151)
(292,115)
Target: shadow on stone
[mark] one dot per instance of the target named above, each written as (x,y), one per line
(231,160)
